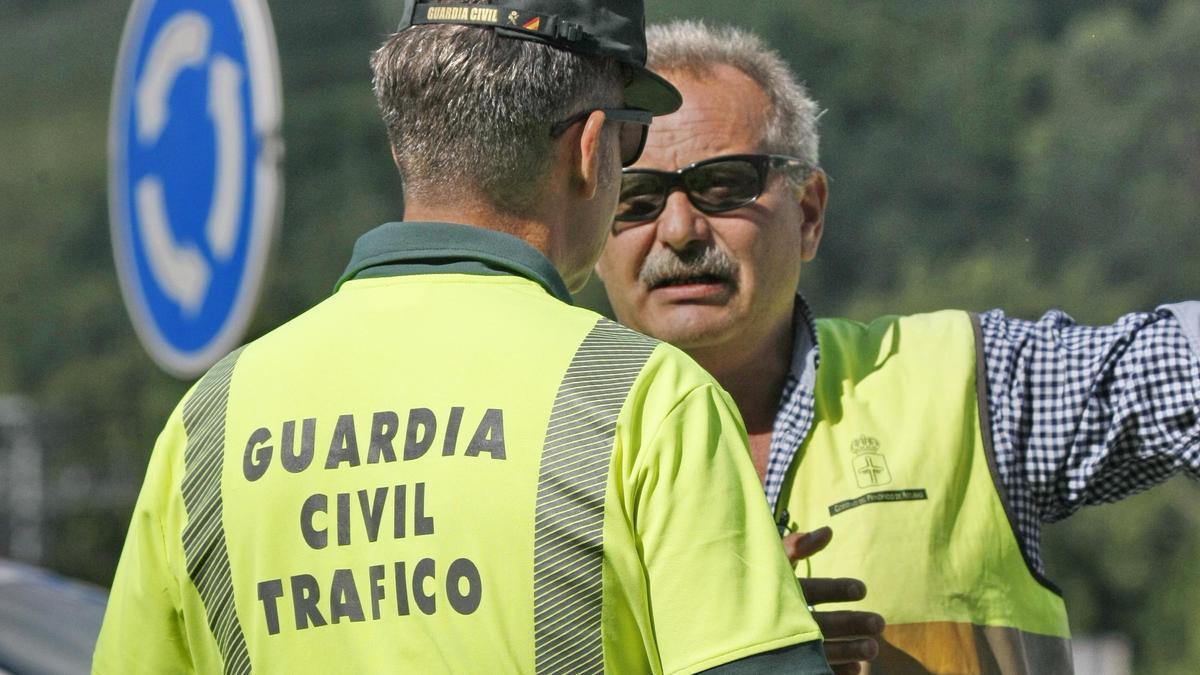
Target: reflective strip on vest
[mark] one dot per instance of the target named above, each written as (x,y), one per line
(967,649)
(568,542)
(204,544)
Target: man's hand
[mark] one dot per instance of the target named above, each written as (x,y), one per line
(849,636)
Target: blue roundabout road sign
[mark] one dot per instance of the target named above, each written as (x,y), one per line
(194,173)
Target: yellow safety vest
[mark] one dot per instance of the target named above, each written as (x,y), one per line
(899,463)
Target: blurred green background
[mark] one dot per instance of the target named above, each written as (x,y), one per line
(1023,154)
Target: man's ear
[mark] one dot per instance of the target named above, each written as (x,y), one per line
(813,194)
(591,153)
(598,269)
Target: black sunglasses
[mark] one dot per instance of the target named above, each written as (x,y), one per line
(635,124)
(713,185)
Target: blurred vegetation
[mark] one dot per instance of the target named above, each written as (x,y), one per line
(1027,155)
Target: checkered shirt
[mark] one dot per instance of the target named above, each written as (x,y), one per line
(1080,415)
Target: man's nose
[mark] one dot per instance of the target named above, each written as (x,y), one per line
(681,225)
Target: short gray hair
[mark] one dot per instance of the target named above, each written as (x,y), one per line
(468,112)
(695,48)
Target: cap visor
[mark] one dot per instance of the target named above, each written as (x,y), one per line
(650,91)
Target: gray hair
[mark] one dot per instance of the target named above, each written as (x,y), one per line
(468,112)
(694,48)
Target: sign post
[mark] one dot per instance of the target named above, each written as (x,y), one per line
(194,175)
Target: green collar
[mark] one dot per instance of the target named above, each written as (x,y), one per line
(396,249)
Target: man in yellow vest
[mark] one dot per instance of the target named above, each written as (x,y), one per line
(444,467)
(937,445)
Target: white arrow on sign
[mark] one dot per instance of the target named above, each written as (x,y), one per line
(225,106)
(180,268)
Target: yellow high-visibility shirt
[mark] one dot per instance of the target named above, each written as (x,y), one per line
(444,467)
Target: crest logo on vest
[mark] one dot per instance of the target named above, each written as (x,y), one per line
(870,466)
(871,471)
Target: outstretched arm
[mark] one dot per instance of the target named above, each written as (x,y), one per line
(1086,415)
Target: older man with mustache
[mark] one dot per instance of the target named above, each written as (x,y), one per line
(937,444)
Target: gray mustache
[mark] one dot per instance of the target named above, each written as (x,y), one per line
(667,265)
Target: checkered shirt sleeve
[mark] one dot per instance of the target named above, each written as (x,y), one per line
(1087,415)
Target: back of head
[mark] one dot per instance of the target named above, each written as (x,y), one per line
(469,111)
(694,48)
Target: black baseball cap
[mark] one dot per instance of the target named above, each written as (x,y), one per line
(612,28)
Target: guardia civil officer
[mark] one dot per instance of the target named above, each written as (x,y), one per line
(445,467)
